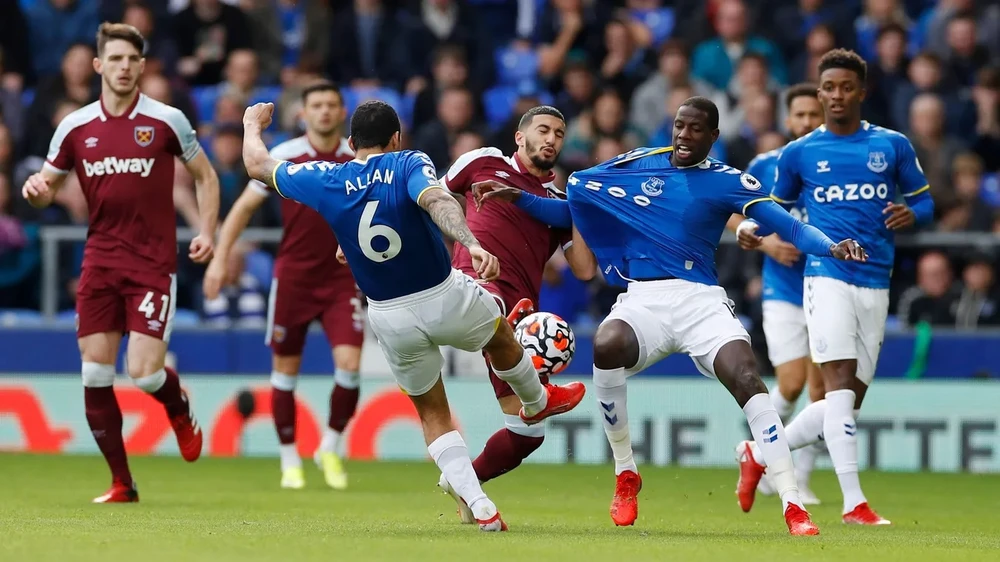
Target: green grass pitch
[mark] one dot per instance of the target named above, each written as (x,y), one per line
(231,510)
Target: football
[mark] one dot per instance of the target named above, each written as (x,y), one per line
(549,341)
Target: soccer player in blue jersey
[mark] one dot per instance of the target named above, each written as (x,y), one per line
(850,174)
(653,219)
(389,212)
(784,318)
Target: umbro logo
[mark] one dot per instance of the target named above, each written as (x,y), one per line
(91,142)
(502,174)
(823,166)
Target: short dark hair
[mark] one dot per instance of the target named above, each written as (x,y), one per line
(800,90)
(322,86)
(708,106)
(888,28)
(752,56)
(530,115)
(111,31)
(675,47)
(373,125)
(448,51)
(847,60)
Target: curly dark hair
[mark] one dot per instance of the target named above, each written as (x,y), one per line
(846,59)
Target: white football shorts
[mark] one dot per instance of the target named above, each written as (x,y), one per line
(845,322)
(411,329)
(785,332)
(678,316)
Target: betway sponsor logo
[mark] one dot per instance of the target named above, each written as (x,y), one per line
(114,165)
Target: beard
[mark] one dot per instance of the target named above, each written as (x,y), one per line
(539,161)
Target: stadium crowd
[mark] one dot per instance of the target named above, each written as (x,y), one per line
(460,73)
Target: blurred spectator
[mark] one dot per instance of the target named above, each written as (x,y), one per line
(455,113)
(570,28)
(363,46)
(578,89)
(965,55)
(449,69)
(934,297)
(206,33)
(161,51)
(758,119)
(624,66)
(647,108)
(241,74)
(986,97)
(19,255)
(55,26)
(926,75)
(285,31)
(805,66)
(715,60)
(606,119)
(931,30)
(967,179)
(241,300)
(466,141)
(227,159)
(793,23)
(15,56)
(935,148)
(427,24)
(11,110)
(751,78)
(562,293)
(77,83)
(158,87)
(979,303)
(887,73)
(771,140)
(877,14)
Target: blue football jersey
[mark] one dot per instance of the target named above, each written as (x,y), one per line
(781,282)
(391,244)
(846,182)
(645,218)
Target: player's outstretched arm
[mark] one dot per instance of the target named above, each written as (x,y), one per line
(553,212)
(774,218)
(236,221)
(40,189)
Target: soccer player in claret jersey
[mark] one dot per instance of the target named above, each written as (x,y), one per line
(653,219)
(122,149)
(784,318)
(850,174)
(389,211)
(523,245)
(309,284)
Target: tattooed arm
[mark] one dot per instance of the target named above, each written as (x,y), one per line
(448,215)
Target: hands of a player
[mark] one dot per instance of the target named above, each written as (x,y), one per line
(849,250)
(746,235)
(36,190)
(780,251)
(258,116)
(201,248)
(486,264)
(215,273)
(900,216)
(483,191)
(340,255)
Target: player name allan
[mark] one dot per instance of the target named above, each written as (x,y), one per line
(359,183)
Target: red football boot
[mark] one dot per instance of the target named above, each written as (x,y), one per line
(562,398)
(523,308)
(864,515)
(625,504)
(119,493)
(751,472)
(494,524)
(799,524)
(189,437)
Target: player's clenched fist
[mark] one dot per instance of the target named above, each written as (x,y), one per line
(201,248)
(258,115)
(340,255)
(36,190)
(849,250)
(485,190)
(486,264)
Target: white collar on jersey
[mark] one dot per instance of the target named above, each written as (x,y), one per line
(367,158)
(864,125)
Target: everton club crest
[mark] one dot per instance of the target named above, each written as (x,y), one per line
(877,162)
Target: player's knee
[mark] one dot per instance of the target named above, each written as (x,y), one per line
(615,346)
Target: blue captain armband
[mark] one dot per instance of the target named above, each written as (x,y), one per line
(553,212)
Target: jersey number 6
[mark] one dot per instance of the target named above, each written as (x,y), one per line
(367,232)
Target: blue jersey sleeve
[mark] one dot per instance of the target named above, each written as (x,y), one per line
(787,182)
(553,212)
(912,182)
(420,175)
(773,218)
(745,192)
(304,182)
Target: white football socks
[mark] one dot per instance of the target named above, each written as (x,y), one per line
(289,457)
(841,432)
(805,462)
(612,397)
(330,442)
(452,456)
(807,427)
(781,404)
(769,435)
(523,378)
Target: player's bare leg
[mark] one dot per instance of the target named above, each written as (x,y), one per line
(448,449)
(343,404)
(844,394)
(616,348)
(513,365)
(736,367)
(284,379)
(145,361)
(104,416)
